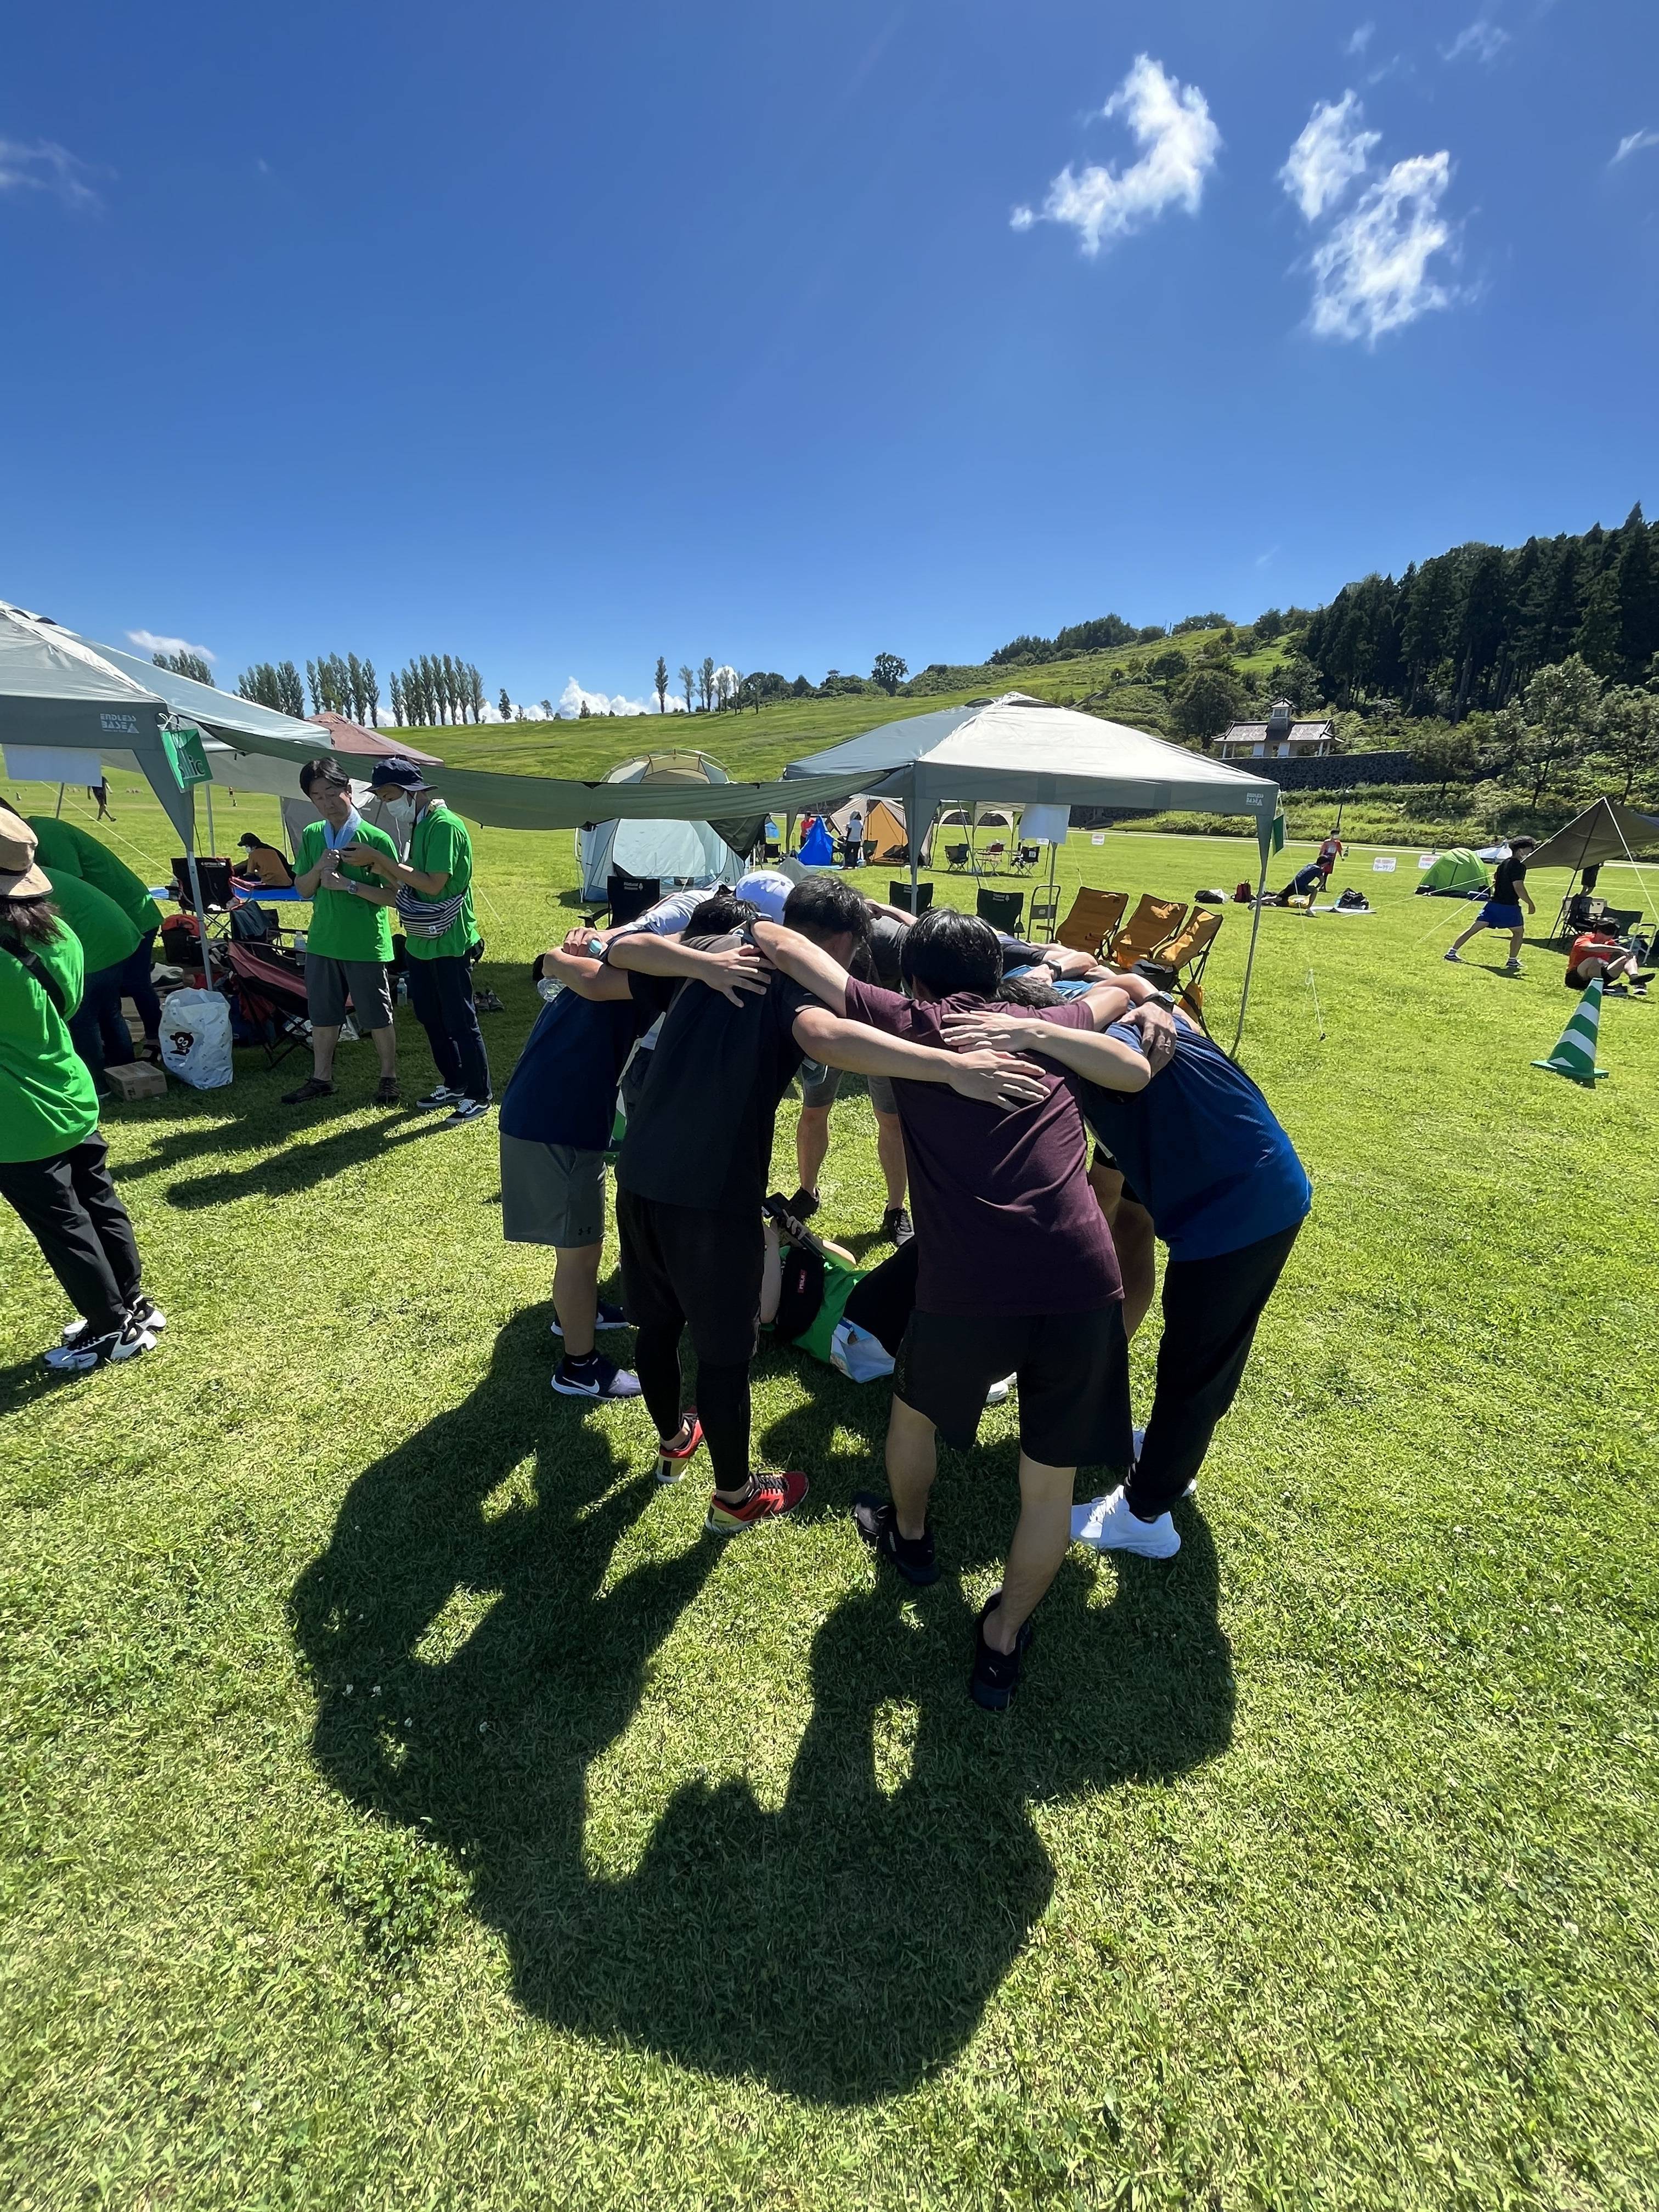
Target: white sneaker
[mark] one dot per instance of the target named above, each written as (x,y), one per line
(1106,1524)
(999,1393)
(86,1353)
(1513,968)
(145,1310)
(1455,958)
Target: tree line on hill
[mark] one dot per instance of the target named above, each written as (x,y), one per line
(1469,629)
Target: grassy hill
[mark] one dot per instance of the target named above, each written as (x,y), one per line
(752,745)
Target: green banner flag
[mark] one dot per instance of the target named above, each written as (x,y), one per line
(185,755)
(1277,843)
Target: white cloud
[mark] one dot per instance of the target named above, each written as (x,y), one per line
(1637,142)
(147,642)
(572,699)
(1329,154)
(1371,270)
(1172,122)
(1361,38)
(1485,40)
(45,167)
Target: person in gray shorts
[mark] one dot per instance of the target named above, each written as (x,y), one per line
(349,944)
(818,1087)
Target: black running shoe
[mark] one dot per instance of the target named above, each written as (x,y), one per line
(996,1673)
(895,1226)
(803,1205)
(877,1522)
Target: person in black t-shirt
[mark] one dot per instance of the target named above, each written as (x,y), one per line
(1502,909)
(694,1162)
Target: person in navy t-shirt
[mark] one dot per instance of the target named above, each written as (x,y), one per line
(1199,1159)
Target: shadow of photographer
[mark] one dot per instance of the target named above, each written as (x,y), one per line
(838,1946)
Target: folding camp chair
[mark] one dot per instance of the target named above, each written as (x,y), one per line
(1045,912)
(957,858)
(1025,859)
(1002,910)
(899,894)
(1093,916)
(1153,923)
(995,855)
(267,990)
(1180,961)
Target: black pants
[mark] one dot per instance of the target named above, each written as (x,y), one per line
(692,1267)
(1211,1308)
(98,1028)
(134,978)
(68,1206)
(441,992)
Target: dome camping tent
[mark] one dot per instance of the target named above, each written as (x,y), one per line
(1457,874)
(668,852)
(884,826)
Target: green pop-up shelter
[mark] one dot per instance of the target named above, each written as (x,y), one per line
(1457,874)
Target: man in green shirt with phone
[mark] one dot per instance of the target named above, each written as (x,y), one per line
(349,944)
(433,892)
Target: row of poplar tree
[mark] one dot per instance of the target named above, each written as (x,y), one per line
(433,688)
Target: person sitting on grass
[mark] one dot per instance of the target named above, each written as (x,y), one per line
(1015,1267)
(1598,952)
(691,1174)
(1198,1159)
(1502,909)
(349,944)
(54,1163)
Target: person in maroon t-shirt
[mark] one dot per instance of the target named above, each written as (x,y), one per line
(1015,1270)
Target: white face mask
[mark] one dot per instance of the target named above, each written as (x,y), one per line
(400,813)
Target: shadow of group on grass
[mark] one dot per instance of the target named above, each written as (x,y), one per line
(839,1946)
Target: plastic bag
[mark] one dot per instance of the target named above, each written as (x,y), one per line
(859,1356)
(196,1039)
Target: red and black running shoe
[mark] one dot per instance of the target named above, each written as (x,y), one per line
(672,1456)
(768,1498)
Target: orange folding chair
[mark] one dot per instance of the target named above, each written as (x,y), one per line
(1093,917)
(1152,924)
(1186,954)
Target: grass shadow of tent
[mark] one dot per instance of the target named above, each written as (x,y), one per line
(838,1946)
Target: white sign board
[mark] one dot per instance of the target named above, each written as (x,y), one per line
(1098,838)
(1384,867)
(1427,859)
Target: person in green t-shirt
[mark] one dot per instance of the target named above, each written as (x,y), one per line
(54,1171)
(64,846)
(107,940)
(435,883)
(349,944)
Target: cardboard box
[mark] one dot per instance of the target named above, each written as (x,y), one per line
(139,1079)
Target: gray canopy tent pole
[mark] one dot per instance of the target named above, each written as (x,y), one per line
(1264,832)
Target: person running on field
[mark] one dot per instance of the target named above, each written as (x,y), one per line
(1015,1268)
(65,845)
(435,905)
(349,944)
(54,1170)
(1198,1159)
(1330,852)
(1502,909)
(692,1173)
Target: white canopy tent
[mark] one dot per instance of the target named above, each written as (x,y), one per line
(664,850)
(1047,755)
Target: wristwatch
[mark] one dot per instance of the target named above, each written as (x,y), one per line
(1159,998)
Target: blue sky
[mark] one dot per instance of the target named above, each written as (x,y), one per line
(557,338)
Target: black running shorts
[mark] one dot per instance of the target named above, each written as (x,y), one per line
(691,1265)
(1073,1379)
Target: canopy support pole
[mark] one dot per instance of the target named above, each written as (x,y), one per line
(1249,957)
(212,840)
(57,809)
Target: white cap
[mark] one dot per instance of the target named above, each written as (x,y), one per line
(765,889)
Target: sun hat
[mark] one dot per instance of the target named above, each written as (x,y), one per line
(19,876)
(765,889)
(399,771)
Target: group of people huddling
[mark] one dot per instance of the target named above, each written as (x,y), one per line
(990,1063)
(669,1044)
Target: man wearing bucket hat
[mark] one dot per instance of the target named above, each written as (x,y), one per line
(435,904)
(53,1162)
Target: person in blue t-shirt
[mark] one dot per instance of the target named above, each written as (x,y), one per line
(1197,1159)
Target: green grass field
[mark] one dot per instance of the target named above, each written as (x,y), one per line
(406,1804)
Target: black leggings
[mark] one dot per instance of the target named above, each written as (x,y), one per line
(722,1401)
(70,1206)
